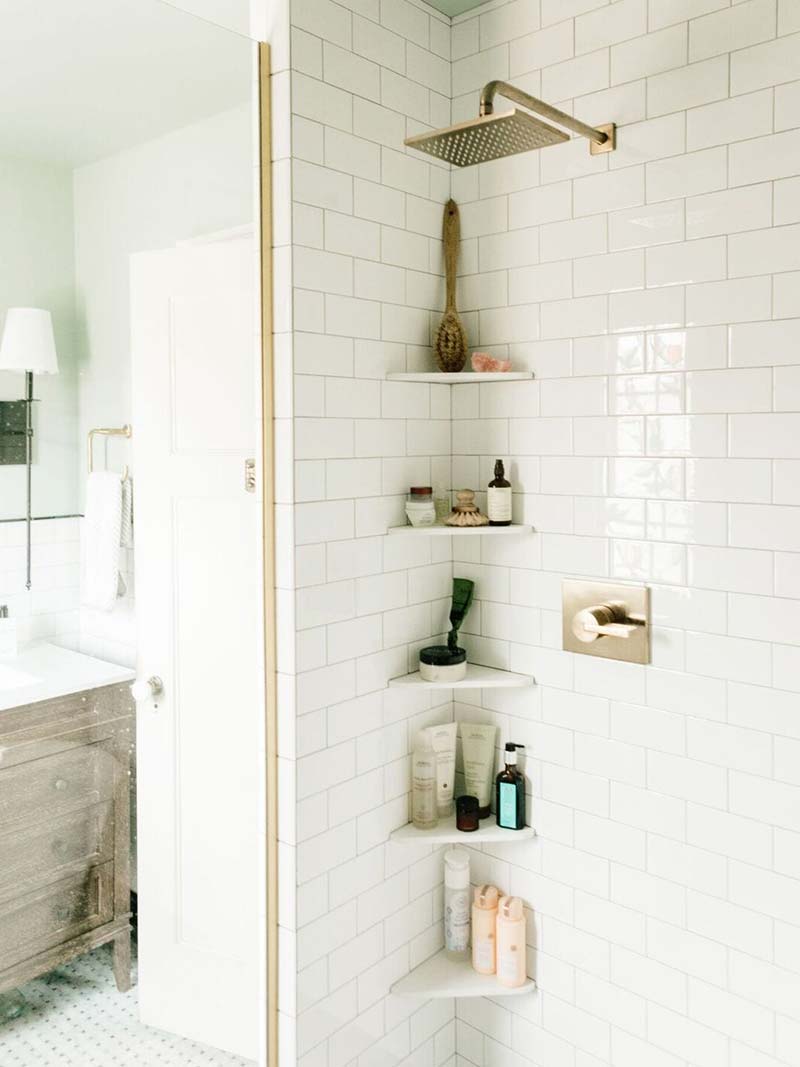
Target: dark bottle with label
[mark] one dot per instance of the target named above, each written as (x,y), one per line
(510,792)
(498,497)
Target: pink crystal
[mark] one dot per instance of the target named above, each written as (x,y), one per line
(483,363)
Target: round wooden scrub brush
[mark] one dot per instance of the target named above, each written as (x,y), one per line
(451,340)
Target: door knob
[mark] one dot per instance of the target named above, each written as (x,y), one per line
(142,690)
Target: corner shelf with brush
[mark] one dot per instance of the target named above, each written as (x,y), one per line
(437,377)
(440,530)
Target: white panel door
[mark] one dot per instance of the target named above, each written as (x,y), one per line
(197,606)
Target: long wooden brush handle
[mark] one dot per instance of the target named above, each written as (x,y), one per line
(451,235)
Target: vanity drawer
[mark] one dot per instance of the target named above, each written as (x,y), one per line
(48,917)
(77,778)
(35,854)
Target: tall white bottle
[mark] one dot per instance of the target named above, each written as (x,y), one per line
(423,782)
(456,903)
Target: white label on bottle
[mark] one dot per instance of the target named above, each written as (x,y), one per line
(456,920)
(483,954)
(498,504)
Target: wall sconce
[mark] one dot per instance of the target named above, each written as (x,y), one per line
(28,345)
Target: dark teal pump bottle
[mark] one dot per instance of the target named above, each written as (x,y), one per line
(510,792)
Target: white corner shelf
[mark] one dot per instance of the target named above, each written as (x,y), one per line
(478,677)
(446,833)
(462,377)
(440,977)
(440,530)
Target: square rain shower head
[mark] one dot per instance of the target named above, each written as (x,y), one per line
(488,137)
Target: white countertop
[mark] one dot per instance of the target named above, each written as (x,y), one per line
(42,672)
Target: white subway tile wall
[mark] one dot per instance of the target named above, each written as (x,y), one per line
(657,872)
(655,294)
(365,285)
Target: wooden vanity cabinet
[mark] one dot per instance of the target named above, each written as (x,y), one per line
(65,878)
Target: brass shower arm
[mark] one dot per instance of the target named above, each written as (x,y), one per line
(492,88)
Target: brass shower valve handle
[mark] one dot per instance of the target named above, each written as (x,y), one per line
(605,620)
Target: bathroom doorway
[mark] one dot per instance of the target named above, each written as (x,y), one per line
(136,225)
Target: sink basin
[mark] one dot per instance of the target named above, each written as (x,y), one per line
(11,678)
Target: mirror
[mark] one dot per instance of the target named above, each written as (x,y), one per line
(105,151)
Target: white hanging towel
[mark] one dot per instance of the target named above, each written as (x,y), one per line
(126,537)
(100,544)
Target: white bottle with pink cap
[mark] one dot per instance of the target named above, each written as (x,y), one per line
(511,948)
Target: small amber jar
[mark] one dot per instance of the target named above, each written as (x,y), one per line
(467,814)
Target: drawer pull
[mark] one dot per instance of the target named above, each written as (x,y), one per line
(60,784)
(62,913)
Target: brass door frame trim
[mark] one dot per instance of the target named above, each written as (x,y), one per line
(268,522)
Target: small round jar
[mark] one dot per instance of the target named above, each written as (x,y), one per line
(440,663)
(420,507)
(467,814)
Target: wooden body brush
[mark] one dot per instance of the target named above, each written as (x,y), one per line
(451,340)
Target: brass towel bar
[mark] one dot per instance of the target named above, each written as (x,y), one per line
(123,431)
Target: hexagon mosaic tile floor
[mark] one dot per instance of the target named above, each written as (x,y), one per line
(75,1016)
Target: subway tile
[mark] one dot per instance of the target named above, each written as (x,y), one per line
(508,23)
(763,618)
(762,435)
(734,119)
(550,281)
(686,435)
(580,317)
(648,225)
(729,390)
(688,87)
(698,349)
(687,522)
(731,569)
(735,28)
(609,191)
(656,138)
(685,950)
(692,261)
(764,251)
(731,925)
(625,102)
(620,21)
(664,985)
(755,526)
(650,309)
(736,659)
(787,106)
(730,211)
(742,300)
(764,65)
(765,158)
(647,810)
(568,240)
(353,155)
(765,343)
(786,295)
(545,47)
(616,272)
(575,77)
(689,175)
(648,54)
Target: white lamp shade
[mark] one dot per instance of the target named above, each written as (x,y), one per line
(28,343)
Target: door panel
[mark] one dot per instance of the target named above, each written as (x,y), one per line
(199,744)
